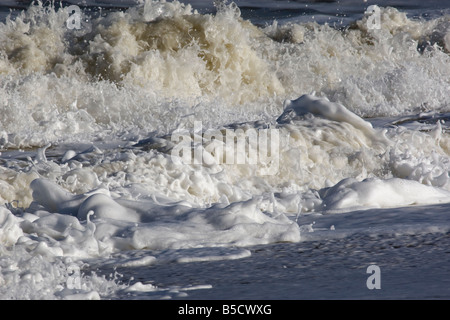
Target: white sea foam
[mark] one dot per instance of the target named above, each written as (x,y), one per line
(350,194)
(87,118)
(204,67)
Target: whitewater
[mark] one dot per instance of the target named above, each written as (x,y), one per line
(224,150)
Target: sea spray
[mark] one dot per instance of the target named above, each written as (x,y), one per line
(88,175)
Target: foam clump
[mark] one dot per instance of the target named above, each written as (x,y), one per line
(10,231)
(108,224)
(322,107)
(351,194)
(56,199)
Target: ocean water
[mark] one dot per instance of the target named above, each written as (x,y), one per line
(224,150)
